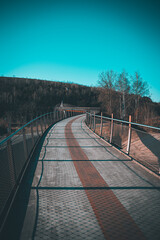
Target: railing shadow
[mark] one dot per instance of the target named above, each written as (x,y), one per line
(151,143)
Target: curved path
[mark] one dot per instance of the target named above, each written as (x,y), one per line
(83,188)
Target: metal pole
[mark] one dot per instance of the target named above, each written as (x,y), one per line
(45,123)
(44,120)
(46,117)
(53,116)
(37,127)
(86,118)
(129,136)
(41,123)
(56,115)
(94,122)
(111,135)
(101,125)
(90,120)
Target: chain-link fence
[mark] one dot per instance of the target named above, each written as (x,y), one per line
(16,151)
(140,142)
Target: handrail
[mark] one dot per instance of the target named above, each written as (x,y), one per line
(10,136)
(122,121)
(15,162)
(142,147)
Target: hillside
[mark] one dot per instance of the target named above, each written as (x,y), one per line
(23,99)
(30,97)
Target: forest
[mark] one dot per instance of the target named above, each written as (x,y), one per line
(127,95)
(22,99)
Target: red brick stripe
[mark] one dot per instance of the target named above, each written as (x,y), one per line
(113,218)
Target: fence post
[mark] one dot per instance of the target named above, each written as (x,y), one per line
(44,119)
(129,136)
(41,123)
(90,120)
(101,125)
(111,134)
(25,144)
(37,127)
(86,118)
(94,122)
(54,116)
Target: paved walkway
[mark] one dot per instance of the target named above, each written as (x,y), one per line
(83,188)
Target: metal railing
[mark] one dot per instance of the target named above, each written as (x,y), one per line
(15,154)
(140,142)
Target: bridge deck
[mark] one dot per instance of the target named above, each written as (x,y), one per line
(83,188)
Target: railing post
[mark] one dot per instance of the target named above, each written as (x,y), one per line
(46,117)
(57,116)
(111,134)
(94,122)
(37,127)
(101,125)
(129,136)
(45,126)
(50,118)
(86,118)
(41,123)
(54,116)
(25,144)
(90,120)
(32,134)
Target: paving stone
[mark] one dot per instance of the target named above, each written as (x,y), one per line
(68,213)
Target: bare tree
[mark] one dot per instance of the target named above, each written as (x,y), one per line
(123,87)
(107,82)
(139,89)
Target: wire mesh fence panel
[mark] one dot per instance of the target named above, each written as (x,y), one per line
(35,131)
(18,153)
(15,152)
(44,124)
(120,135)
(106,130)
(7,175)
(91,122)
(97,125)
(145,148)
(142,145)
(28,138)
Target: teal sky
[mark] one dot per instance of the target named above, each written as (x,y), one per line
(76,40)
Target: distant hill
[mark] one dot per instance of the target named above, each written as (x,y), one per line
(22,99)
(32,97)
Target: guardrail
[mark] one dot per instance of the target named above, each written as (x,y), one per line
(15,153)
(140,142)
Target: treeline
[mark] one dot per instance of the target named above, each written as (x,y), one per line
(27,98)
(23,99)
(124,95)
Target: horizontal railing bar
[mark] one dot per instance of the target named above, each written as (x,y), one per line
(10,136)
(122,121)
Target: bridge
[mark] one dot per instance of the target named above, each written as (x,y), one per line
(70,175)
